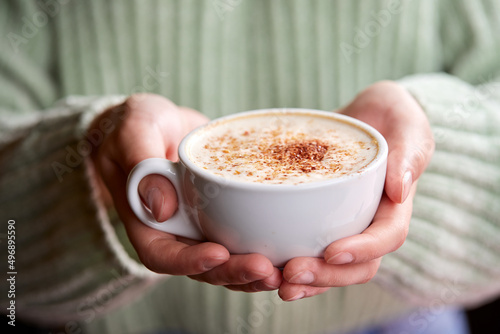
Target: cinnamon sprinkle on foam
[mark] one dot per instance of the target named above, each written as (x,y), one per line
(289,151)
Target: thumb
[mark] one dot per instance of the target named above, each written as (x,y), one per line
(400,175)
(393,111)
(409,155)
(151,128)
(159,196)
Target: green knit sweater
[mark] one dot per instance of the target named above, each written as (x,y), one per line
(62,62)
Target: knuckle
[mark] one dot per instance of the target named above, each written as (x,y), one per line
(373,248)
(422,156)
(381,88)
(137,98)
(400,233)
(403,233)
(147,256)
(385,84)
(429,143)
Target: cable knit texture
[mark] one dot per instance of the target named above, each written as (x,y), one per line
(63,61)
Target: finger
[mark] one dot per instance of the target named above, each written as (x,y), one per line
(392,110)
(159,195)
(160,251)
(141,136)
(137,141)
(151,127)
(386,233)
(270,283)
(238,270)
(164,254)
(316,272)
(411,146)
(192,117)
(290,292)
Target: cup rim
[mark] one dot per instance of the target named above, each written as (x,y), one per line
(379,159)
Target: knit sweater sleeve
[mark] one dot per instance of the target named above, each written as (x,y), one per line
(47,194)
(452,253)
(69,257)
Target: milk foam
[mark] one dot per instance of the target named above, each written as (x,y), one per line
(281,148)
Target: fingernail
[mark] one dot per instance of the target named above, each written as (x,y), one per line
(251,276)
(155,202)
(341,258)
(212,262)
(300,295)
(263,286)
(406,185)
(304,277)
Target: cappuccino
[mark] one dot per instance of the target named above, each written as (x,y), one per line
(282,148)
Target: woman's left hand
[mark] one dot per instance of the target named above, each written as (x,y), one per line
(390,109)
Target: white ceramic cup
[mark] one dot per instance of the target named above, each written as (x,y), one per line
(280,221)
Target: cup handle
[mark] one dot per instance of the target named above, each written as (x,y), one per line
(179,224)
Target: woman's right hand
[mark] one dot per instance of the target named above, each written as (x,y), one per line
(150,126)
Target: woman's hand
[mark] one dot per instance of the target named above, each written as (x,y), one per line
(354,260)
(150,126)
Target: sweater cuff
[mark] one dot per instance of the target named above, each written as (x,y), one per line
(452,252)
(73,260)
